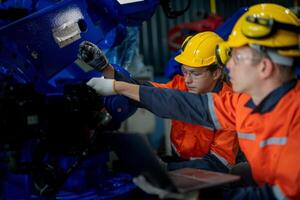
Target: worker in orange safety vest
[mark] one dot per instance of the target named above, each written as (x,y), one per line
(195,145)
(261,55)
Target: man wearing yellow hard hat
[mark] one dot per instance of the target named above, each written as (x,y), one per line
(193,145)
(261,54)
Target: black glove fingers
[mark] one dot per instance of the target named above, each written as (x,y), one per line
(91,49)
(92,55)
(83,44)
(86,56)
(83,53)
(87,43)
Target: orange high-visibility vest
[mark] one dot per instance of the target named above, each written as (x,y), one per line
(270,140)
(194,141)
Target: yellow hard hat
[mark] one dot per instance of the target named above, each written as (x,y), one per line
(199,50)
(268,25)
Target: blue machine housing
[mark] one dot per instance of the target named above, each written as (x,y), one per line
(131,14)
(40,49)
(30,49)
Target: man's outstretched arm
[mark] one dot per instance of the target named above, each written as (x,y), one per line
(165,103)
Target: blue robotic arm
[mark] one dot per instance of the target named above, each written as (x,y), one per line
(41,47)
(48,114)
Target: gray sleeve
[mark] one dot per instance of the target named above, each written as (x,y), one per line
(121,77)
(174,104)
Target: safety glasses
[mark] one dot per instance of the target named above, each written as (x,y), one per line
(192,73)
(242,58)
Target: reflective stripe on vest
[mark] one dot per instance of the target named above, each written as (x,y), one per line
(212,111)
(273,140)
(278,193)
(175,149)
(248,136)
(222,159)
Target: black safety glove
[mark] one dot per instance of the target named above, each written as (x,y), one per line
(92,55)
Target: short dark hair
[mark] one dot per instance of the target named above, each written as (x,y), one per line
(213,67)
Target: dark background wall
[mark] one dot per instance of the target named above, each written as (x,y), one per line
(153,34)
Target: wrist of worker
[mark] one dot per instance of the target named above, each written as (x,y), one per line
(109,72)
(118,86)
(101,65)
(127,89)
